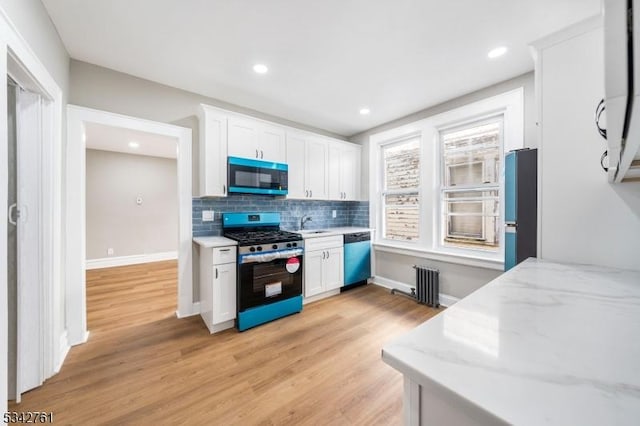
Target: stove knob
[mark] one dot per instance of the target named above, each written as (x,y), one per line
(295,244)
(288,245)
(259,248)
(275,247)
(252,249)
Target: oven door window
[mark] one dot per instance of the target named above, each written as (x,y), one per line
(264,283)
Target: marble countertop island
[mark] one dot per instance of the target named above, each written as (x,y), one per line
(543,344)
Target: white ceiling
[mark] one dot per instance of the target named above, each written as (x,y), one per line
(327,58)
(109,138)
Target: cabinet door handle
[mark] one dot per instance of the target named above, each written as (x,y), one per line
(257,154)
(225,250)
(306,192)
(327,255)
(311,193)
(324,253)
(261,154)
(224,189)
(216,273)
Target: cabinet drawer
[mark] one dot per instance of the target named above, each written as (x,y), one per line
(323,243)
(223,255)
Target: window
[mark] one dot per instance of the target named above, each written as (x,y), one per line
(400,193)
(470,185)
(437,184)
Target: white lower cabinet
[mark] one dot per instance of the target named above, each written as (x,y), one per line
(218,287)
(323,265)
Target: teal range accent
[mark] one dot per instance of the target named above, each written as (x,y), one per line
(510,187)
(510,241)
(237,161)
(357,262)
(261,314)
(248,219)
(263,191)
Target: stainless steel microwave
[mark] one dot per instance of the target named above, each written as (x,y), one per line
(249,176)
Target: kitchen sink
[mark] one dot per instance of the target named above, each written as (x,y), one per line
(312,231)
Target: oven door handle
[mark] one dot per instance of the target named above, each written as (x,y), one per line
(268,257)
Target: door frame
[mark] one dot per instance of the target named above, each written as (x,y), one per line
(76,211)
(20,62)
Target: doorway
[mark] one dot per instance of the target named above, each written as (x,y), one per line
(131,227)
(80,121)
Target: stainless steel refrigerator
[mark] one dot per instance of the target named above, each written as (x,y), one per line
(521,206)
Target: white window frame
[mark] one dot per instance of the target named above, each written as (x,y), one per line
(499,186)
(509,104)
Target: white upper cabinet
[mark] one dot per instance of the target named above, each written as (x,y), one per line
(296,159)
(320,168)
(316,159)
(307,157)
(344,171)
(213,152)
(254,139)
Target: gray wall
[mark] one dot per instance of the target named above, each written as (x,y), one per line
(115,220)
(457,280)
(101,88)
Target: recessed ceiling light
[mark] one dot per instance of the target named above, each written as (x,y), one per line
(260,68)
(133,144)
(497,52)
(365,111)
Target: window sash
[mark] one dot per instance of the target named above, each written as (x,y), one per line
(469,230)
(393,230)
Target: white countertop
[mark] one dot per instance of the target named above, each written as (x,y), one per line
(335,231)
(209,242)
(545,343)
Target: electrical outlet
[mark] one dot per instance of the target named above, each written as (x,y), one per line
(208,215)
(333,214)
(109,251)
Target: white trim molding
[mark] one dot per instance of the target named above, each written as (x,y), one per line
(445,299)
(63,350)
(20,61)
(441,256)
(76,210)
(135,259)
(195,310)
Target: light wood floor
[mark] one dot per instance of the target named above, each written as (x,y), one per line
(143,365)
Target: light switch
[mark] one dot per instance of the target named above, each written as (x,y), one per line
(207,215)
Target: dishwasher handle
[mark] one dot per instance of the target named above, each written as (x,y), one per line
(357,237)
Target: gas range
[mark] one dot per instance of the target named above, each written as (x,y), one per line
(270,267)
(263,240)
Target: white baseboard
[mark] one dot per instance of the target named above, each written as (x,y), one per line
(445,299)
(63,350)
(195,310)
(109,262)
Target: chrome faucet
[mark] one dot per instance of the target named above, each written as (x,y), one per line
(304,219)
